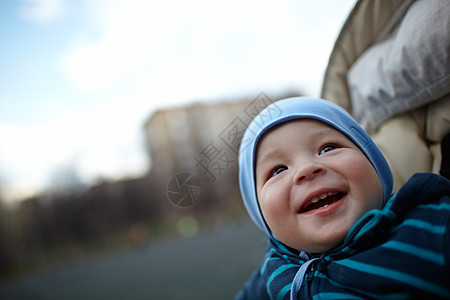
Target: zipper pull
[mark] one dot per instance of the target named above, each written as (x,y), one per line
(311,271)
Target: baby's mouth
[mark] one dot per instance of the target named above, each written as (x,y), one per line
(322,201)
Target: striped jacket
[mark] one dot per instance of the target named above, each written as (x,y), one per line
(399,252)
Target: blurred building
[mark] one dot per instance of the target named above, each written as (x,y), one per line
(176,136)
(202,140)
(199,137)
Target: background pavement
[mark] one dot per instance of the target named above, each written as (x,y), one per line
(214,264)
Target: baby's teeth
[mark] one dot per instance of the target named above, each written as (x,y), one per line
(321,197)
(325,205)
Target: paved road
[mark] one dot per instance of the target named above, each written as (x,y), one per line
(211,265)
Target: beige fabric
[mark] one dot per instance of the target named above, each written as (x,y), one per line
(438,119)
(435,150)
(410,141)
(369,21)
(407,70)
(405,149)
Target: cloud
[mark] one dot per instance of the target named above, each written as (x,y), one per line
(131,34)
(161,53)
(97,65)
(102,142)
(239,43)
(153,38)
(42,12)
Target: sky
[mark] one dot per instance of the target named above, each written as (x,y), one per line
(78,78)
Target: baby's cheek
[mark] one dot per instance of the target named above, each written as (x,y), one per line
(269,210)
(272,209)
(358,169)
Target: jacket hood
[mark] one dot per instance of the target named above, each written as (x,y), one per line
(302,108)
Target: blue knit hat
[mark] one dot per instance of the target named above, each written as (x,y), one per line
(302,108)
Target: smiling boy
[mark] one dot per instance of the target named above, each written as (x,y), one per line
(315,182)
(315,187)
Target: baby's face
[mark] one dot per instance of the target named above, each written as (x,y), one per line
(313,184)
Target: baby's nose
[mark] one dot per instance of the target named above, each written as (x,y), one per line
(308,171)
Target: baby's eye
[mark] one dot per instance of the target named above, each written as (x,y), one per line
(278,170)
(326,148)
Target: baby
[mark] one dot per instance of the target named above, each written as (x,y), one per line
(315,182)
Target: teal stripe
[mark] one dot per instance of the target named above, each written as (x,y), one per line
(394,296)
(436,229)
(334,296)
(284,291)
(395,275)
(436,206)
(432,256)
(281,246)
(263,269)
(278,272)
